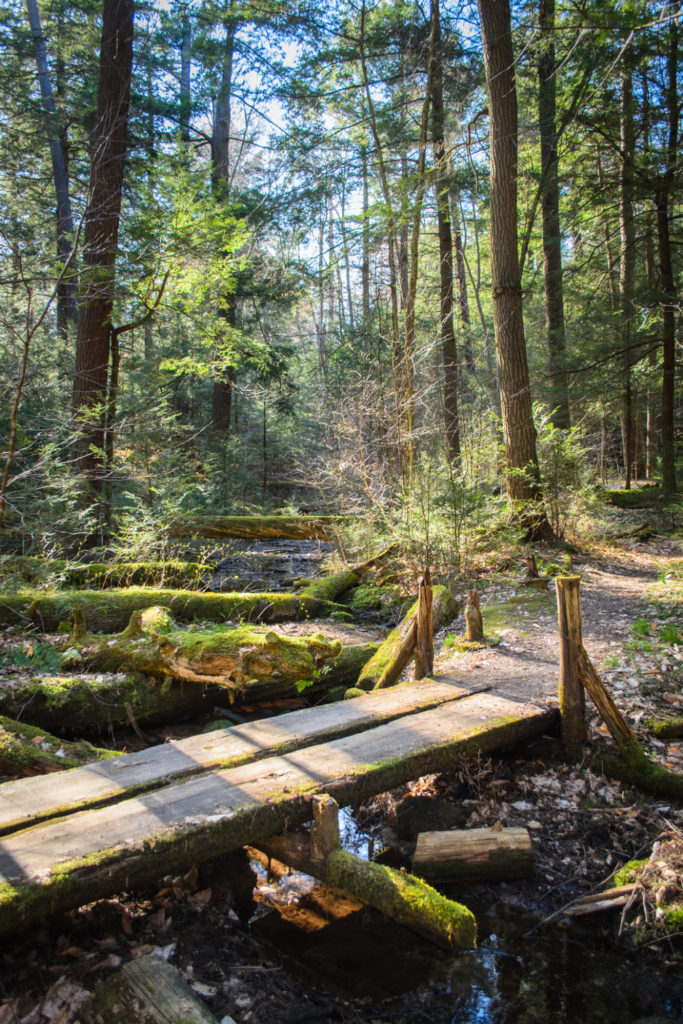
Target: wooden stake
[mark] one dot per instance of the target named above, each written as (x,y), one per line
(571,693)
(424,650)
(400,658)
(474,626)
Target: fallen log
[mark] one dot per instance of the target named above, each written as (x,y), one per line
(23,804)
(109,611)
(633,765)
(238,658)
(396,894)
(444,608)
(27,751)
(329,588)
(78,704)
(94,854)
(486,854)
(145,991)
(665,728)
(100,575)
(255,527)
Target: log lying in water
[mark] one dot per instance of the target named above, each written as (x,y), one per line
(100,575)
(444,608)
(396,894)
(109,611)
(145,991)
(255,527)
(25,751)
(484,854)
(233,658)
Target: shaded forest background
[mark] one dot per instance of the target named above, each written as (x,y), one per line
(246,265)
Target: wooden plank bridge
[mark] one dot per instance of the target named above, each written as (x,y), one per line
(89,833)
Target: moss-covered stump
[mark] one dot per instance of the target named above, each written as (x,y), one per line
(73,705)
(255,527)
(109,611)
(100,575)
(25,750)
(445,607)
(233,658)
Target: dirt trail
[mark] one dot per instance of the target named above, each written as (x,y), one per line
(526,662)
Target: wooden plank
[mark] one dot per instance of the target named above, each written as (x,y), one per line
(28,801)
(145,991)
(90,855)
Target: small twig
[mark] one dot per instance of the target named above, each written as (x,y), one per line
(136,727)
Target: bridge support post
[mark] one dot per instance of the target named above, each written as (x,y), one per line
(571,692)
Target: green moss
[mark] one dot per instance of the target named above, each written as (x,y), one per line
(629,873)
(368,597)
(25,750)
(673,917)
(100,575)
(331,587)
(665,728)
(637,769)
(404,898)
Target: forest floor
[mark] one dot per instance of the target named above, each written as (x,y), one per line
(301,952)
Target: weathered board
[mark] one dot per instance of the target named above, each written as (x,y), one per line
(90,855)
(29,801)
(474,853)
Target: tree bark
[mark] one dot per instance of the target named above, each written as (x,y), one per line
(475,853)
(221,399)
(365,266)
(550,212)
(65,223)
(101,236)
(519,433)
(627,267)
(185,79)
(669,303)
(571,695)
(448,343)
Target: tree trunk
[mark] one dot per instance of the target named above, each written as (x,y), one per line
(221,399)
(627,268)
(67,309)
(365,266)
(101,236)
(448,343)
(669,304)
(550,210)
(185,79)
(519,433)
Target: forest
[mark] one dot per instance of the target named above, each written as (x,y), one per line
(341,528)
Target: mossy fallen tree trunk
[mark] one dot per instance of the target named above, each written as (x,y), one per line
(109,611)
(665,728)
(233,658)
(444,608)
(74,705)
(633,765)
(329,588)
(26,751)
(100,575)
(255,527)
(398,895)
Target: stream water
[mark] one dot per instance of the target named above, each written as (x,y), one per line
(557,976)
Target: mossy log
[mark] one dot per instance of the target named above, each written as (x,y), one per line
(444,608)
(255,527)
(633,765)
(485,854)
(74,705)
(396,894)
(25,751)
(665,728)
(147,990)
(109,611)
(233,658)
(100,575)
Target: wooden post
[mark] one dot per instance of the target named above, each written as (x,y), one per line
(571,692)
(474,625)
(424,650)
